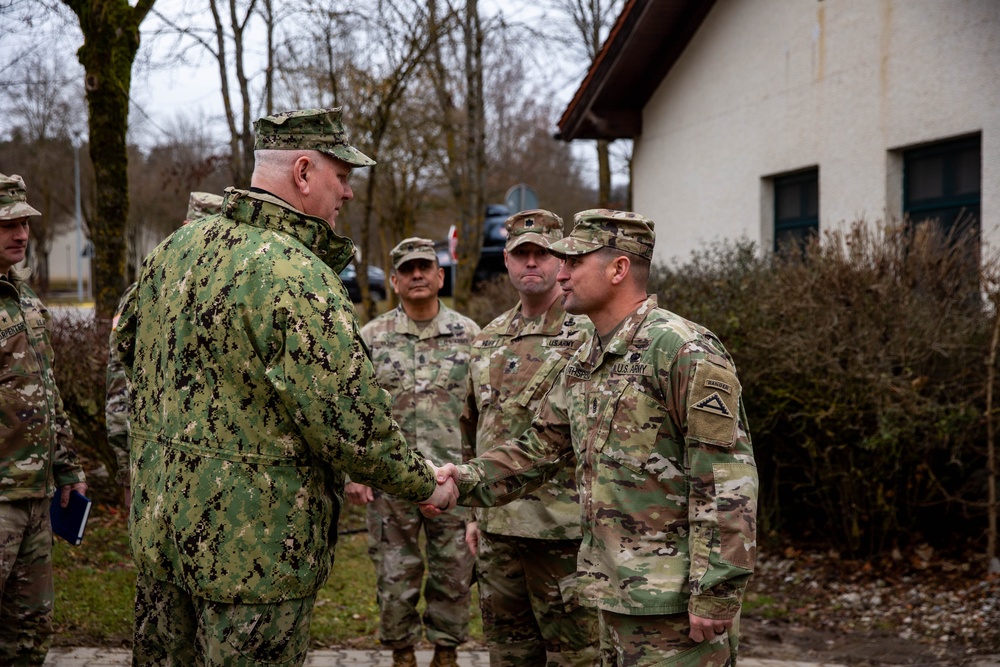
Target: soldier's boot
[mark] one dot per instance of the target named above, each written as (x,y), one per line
(444,656)
(404,657)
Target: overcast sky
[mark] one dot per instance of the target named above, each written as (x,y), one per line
(162,95)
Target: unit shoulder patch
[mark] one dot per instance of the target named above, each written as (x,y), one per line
(713,404)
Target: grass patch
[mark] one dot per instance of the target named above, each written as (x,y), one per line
(95,588)
(760,606)
(95,584)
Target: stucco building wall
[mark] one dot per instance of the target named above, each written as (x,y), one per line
(767,87)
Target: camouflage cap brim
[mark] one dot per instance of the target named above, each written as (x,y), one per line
(15,210)
(429,255)
(350,155)
(529,237)
(574,246)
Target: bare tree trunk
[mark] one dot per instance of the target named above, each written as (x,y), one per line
(471,231)
(991,458)
(111,40)
(465,144)
(269,21)
(603,174)
(240,135)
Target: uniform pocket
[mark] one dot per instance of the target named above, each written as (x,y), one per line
(17,415)
(735,505)
(634,429)
(278,634)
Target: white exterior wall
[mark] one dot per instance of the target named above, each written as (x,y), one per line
(63,260)
(767,87)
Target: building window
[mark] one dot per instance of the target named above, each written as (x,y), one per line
(796,210)
(943,182)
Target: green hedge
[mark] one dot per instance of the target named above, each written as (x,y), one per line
(863,363)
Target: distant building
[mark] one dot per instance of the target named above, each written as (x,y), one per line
(775,119)
(63,262)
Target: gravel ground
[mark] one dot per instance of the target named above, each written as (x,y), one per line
(906,609)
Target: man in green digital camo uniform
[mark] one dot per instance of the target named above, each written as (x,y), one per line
(652,408)
(421,355)
(36,453)
(252,396)
(116,405)
(526,557)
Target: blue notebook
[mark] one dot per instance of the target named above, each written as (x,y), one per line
(69,522)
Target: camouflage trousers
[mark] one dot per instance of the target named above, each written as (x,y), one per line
(531,611)
(394,528)
(173,627)
(26,592)
(662,641)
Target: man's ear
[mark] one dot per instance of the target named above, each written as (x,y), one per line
(621,266)
(301,173)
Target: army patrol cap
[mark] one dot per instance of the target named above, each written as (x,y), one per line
(413,248)
(537,226)
(14,198)
(203,204)
(603,228)
(309,129)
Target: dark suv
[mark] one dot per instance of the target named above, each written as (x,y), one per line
(490,259)
(494,239)
(376,282)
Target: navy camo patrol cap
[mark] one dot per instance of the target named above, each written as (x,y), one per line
(309,129)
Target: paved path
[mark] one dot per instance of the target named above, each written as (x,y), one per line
(99,657)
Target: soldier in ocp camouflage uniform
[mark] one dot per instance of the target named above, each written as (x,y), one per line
(36,454)
(421,355)
(527,549)
(652,409)
(252,396)
(200,205)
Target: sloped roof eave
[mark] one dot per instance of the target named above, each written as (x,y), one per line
(646,40)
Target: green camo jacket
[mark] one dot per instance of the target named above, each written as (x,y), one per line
(665,468)
(252,396)
(514,363)
(425,371)
(36,453)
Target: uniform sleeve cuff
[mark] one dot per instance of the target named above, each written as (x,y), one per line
(715,608)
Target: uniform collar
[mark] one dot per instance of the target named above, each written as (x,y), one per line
(591,354)
(267,211)
(550,324)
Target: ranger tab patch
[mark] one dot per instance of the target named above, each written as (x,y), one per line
(718,384)
(714,405)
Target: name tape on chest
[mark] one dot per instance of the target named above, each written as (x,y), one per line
(632,368)
(492,342)
(10,332)
(577,372)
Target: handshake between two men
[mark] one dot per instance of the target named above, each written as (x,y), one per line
(445,495)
